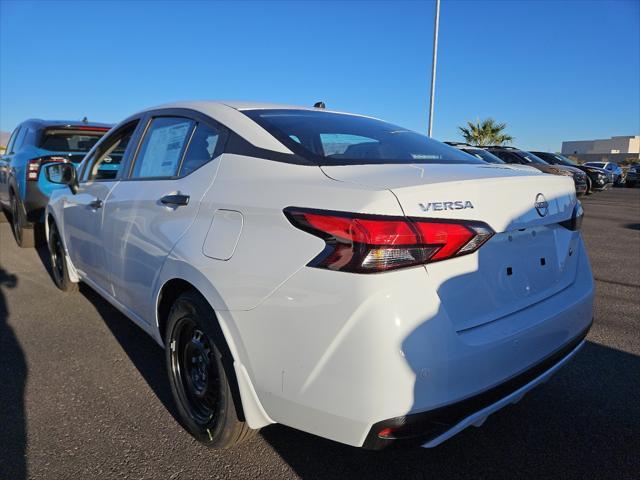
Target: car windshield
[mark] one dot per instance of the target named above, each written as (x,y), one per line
(559,159)
(530,158)
(70,141)
(482,155)
(595,164)
(329,138)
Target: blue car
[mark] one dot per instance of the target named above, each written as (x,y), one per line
(24,192)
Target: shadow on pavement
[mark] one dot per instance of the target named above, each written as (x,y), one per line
(144,353)
(13,377)
(584,420)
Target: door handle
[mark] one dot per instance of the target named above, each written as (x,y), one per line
(97,203)
(175,200)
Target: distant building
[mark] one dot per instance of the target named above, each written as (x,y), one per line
(614,149)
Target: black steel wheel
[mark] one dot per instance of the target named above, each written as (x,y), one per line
(201,374)
(57,256)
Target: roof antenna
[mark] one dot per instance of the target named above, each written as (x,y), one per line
(85,119)
(319,105)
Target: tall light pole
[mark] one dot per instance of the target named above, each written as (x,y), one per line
(433,68)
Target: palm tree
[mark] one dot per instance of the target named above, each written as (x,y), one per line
(485,132)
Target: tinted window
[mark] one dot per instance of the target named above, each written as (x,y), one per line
(204,146)
(69,141)
(482,155)
(338,139)
(20,139)
(162,148)
(12,140)
(106,161)
(529,158)
(507,157)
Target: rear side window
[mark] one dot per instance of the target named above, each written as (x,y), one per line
(12,140)
(69,141)
(20,139)
(205,145)
(162,147)
(328,138)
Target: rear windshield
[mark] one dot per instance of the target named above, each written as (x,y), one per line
(338,139)
(483,155)
(69,141)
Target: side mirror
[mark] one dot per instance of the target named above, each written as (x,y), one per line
(62,174)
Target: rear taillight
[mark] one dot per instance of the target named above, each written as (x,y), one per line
(575,222)
(33,166)
(375,243)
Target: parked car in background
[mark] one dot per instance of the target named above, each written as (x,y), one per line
(313,268)
(611,168)
(597,178)
(478,152)
(515,156)
(633,176)
(23,191)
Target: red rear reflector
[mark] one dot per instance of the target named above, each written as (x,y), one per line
(375,243)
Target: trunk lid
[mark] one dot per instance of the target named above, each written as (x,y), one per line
(530,258)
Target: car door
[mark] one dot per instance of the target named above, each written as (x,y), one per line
(150,210)
(5,168)
(83,212)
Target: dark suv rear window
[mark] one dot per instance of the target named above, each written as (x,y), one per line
(69,140)
(328,138)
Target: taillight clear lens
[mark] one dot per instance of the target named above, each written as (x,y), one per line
(375,243)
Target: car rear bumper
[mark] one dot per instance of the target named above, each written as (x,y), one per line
(35,203)
(431,428)
(334,354)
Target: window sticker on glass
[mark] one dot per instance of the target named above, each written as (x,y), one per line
(163,150)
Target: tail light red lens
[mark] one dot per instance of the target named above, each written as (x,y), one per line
(375,243)
(33,166)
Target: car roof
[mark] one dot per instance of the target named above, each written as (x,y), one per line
(229,113)
(40,123)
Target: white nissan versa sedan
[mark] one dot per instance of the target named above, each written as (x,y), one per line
(327,271)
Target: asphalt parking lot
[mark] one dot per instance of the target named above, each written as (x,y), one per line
(83,392)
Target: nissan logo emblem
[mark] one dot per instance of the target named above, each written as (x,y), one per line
(542,207)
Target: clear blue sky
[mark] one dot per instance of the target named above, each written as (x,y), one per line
(552,70)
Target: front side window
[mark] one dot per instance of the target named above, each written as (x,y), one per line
(106,162)
(162,148)
(205,145)
(328,138)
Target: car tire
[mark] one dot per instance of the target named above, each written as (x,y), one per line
(25,237)
(589,190)
(201,374)
(59,266)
